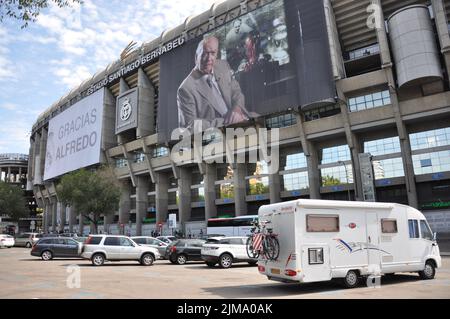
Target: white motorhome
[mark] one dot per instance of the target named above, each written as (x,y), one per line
(320,240)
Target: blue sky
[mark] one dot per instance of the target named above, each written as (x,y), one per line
(43,62)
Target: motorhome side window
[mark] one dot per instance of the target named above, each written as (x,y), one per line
(322,223)
(425,230)
(413,226)
(315,256)
(389,226)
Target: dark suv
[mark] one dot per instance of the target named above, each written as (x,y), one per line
(183,250)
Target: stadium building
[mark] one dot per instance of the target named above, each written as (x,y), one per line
(14,170)
(359,90)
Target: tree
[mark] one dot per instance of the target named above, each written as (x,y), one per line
(12,201)
(92,193)
(330,181)
(28,10)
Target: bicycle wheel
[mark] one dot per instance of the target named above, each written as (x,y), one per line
(272,247)
(251,252)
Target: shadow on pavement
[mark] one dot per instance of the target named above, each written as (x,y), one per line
(272,290)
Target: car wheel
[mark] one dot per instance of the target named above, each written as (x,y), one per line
(98,260)
(210,264)
(28,245)
(147,260)
(351,280)
(429,272)
(225,261)
(181,259)
(47,255)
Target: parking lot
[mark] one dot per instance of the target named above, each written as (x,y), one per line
(24,276)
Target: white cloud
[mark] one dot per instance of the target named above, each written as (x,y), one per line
(9,106)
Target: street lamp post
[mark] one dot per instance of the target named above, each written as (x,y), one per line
(347,179)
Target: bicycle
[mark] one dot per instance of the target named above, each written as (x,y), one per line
(263,242)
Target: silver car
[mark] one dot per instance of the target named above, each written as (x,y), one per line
(99,248)
(151,242)
(27,239)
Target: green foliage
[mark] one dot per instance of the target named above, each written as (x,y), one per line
(91,193)
(258,188)
(27,11)
(330,181)
(12,201)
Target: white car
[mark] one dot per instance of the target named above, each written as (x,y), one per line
(226,251)
(6,241)
(99,248)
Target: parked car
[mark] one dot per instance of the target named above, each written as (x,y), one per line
(167,239)
(27,239)
(70,235)
(6,241)
(226,251)
(99,248)
(152,242)
(184,250)
(51,247)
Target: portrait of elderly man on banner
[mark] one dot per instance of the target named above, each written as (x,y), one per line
(210,93)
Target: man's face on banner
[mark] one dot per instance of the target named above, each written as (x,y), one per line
(207,55)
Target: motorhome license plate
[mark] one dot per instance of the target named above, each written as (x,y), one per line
(275,271)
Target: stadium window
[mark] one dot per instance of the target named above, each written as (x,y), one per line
(160,152)
(280,121)
(322,112)
(369,101)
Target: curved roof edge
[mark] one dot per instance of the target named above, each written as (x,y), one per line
(191,22)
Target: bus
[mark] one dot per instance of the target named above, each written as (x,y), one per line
(233,226)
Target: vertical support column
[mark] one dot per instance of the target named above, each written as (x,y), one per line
(210,191)
(141,202)
(386,60)
(54,214)
(46,215)
(8,177)
(61,216)
(123,88)
(162,197)
(81,224)
(124,208)
(405,147)
(440,19)
(108,221)
(146,116)
(355,149)
(42,153)
(312,160)
(240,189)
(72,217)
(184,188)
(275,187)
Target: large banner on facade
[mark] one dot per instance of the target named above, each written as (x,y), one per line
(74,137)
(265,61)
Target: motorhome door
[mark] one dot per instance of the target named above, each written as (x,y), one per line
(373,242)
(316,263)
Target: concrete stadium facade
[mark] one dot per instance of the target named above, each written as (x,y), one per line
(406,128)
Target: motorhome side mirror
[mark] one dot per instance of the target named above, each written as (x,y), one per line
(434,236)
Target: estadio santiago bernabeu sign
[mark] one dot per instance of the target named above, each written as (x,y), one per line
(140,62)
(74,137)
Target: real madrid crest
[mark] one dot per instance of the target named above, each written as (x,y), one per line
(126,110)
